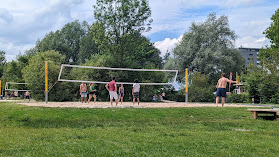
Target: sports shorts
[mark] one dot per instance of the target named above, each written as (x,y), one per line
(83,94)
(136,95)
(113,95)
(221,92)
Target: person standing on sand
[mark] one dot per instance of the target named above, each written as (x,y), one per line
(135,91)
(27,95)
(83,92)
(112,89)
(92,92)
(221,88)
(121,93)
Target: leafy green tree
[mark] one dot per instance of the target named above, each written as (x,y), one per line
(88,46)
(12,72)
(262,81)
(66,41)
(272,32)
(200,89)
(120,18)
(2,62)
(207,48)
(34,74)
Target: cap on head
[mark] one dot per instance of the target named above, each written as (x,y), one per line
(136,81)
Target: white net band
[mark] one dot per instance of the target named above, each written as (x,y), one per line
(108,68)
(20,90)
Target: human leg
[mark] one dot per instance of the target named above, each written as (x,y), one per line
(217,101)
(138,101)
(90,97)
(94,96)
(223,101)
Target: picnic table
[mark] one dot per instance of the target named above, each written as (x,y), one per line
(256,112)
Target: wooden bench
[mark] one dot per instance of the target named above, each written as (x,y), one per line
(255,112)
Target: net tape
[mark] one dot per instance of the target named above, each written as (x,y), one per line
(20,90)
(108,68)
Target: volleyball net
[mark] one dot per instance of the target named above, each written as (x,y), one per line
(102,75)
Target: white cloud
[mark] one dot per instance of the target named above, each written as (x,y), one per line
(23,22)
(167,45)
(252,42)
(28,21)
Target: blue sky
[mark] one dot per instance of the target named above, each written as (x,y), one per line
(23,22)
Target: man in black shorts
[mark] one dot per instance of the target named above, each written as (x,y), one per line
(221,88)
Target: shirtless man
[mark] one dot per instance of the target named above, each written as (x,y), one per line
(83,92)
(221,88)
(27,95)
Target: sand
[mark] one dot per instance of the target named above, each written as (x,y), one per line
(129,104)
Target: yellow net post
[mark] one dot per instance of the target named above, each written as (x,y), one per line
(46,82)
(186,85)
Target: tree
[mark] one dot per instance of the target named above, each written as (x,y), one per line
(262,81)
(200,89)
(66,41)
(88,46)
(272,32)
(207,48)
(34,74)
(12,72)
(2,62)
(120,18)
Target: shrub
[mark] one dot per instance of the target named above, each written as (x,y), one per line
(239,98)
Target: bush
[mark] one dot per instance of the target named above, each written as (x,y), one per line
(239,98)
(275,99)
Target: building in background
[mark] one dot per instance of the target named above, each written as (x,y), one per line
(250,55)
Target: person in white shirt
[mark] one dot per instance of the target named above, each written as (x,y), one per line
(135,91)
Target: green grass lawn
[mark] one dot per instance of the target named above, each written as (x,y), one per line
(207,131)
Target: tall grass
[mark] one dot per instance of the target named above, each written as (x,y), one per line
(208,131)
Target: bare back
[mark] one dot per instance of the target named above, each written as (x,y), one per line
(222,82)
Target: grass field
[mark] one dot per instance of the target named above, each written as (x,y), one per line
(204,131)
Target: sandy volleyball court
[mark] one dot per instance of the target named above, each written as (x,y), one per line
(128,104)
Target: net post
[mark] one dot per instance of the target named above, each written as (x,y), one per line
(186,85)
(46,82)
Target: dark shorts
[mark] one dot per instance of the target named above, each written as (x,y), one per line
(92,93)
(27,97)
(121,94)
(136,95)
(221,92)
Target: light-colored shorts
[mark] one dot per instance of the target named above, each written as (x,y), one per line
(83,94)
(113,95)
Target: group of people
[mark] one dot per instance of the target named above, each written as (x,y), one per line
(112,89)
(14,95)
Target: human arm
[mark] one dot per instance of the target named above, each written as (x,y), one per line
(230,81)
(133,90)
(107,87)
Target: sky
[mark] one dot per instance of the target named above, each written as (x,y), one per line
(22,23)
